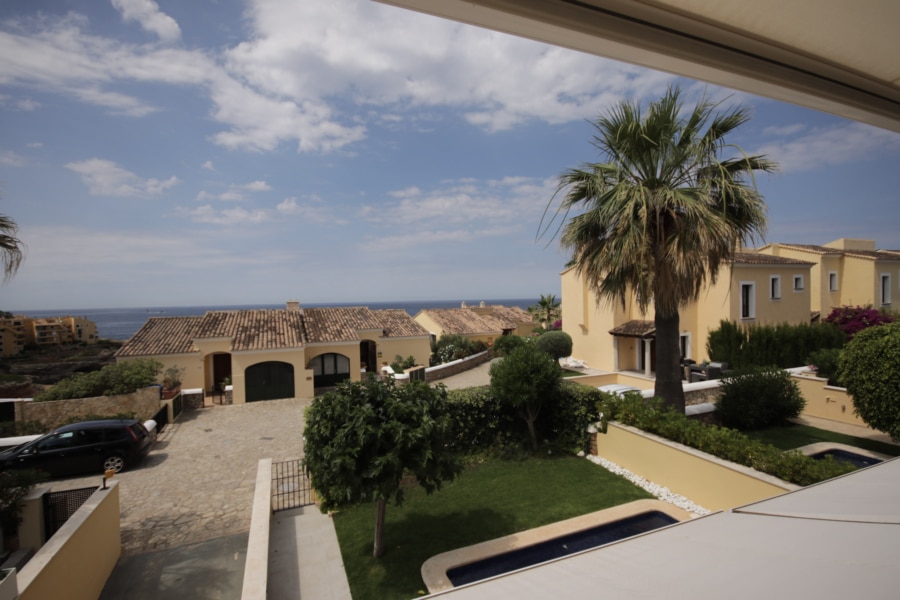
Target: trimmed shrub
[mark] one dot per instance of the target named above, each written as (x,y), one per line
(557,344)
(826,363)
(454,347)
(869,368)
(567,419)
(505,344)
(758,397)
(120,378)
(479,422)
(782,345)
(728,444)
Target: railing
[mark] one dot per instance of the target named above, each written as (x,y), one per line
(290,486)
(59,506)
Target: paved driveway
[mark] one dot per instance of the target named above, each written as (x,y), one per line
(197,483)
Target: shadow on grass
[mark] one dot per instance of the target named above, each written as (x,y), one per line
(411,539)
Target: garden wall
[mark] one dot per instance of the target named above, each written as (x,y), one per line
(144,403)
(708,481)
(825,401)
(455,367)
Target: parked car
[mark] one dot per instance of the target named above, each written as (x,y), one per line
(91,446)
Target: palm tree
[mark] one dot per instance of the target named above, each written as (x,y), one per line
(11,253)
(662,214)
(546,311)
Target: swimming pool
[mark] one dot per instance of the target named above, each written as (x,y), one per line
(857,457)
(559,547)
(521,550)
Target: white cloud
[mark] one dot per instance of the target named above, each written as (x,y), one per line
(313,211)
(257,186)
(106,178)
(27,104)
(147,14)
(235,192)
(228,216)
(208,165)
(11,159)
(828,147)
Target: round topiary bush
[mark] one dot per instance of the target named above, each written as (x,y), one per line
(557,344)
(505,344)
(869,368)
(758,397)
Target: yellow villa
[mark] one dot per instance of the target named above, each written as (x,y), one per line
(283,353)
(756,289)
(478,323)
(846,272)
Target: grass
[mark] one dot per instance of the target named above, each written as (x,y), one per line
(788,437)
(490,499)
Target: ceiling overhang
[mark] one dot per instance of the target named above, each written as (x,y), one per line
(829,55)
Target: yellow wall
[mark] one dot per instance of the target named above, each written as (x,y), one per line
(76,562)
(706,480)
(826,402)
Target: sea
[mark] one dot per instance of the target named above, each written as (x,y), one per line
(122,323)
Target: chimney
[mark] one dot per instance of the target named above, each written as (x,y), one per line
(293,305)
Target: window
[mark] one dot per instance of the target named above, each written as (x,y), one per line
(748,300)
(885,288)
(684,342)
(832,281)
(775,287)
(798,283)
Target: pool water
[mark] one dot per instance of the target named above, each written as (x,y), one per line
(857,460)
(558,547)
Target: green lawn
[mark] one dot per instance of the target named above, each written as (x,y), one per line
(489,500)
(788,437)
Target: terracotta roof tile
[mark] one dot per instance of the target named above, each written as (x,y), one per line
(752,258)
(876,254)
(636,329)
(163,335)
(466,321)
(397,323)
(267,329)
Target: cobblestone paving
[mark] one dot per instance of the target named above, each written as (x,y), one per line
(197,483)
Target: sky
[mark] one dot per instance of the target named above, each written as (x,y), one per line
(229,152)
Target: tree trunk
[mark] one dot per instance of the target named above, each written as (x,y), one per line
(378,548)
(668,361)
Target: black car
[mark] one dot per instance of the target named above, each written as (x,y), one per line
(91,446)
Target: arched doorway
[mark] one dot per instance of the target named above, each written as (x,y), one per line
(329,369)
(269,381)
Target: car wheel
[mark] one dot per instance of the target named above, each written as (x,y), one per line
(114,463)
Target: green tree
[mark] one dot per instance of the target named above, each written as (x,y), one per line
(869,367)
(362,438)
(661,213)
(546,311)
(122,377)
(524,380)
(11,247)
(557,344)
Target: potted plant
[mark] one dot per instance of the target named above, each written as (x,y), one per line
(172,382)
(14,486)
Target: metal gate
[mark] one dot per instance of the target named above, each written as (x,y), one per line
(59,506)
(290,486)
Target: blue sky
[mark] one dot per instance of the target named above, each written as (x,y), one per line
(246,152)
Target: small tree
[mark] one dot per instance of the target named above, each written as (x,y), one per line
(363,437)
(525,379)
(557,344)
(505,344)
(869,367)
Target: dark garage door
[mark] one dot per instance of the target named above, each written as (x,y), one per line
(269,381)
(329,369)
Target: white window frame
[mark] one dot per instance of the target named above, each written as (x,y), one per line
(774,287)
(833,283)
(885,289)
(802,286)
(751,300)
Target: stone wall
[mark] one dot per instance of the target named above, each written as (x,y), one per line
(143,403)
(439,372)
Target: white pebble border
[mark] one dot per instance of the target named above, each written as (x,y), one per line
(661,492)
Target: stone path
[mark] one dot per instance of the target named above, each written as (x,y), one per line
(197,483)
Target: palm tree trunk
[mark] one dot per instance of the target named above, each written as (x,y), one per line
(668,361)
(378,548)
